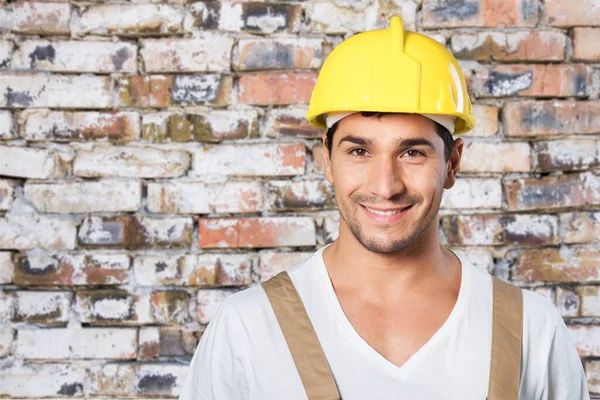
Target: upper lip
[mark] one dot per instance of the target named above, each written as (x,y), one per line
(387,209)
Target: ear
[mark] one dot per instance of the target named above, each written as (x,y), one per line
(327,159)
(453,164)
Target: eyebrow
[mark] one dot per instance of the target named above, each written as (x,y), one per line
(400,143)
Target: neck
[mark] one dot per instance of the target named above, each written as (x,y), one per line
(424,263)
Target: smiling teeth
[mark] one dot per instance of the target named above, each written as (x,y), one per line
(393,212)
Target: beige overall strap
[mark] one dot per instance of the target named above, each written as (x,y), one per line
(507,328)
(301,338)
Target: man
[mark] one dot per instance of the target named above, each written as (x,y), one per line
(386,312)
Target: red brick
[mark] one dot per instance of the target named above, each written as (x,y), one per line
(65,269)
(218,269)
(318,152)
(573,190)
(483,14)
(36,17)
(586,339)
(42,125)
(558,265)
(313,194)
(565,13)
(580,227)
(536,80)
(511,46)
(290,122)
(265,54)
(486,121)
(256,232)
(585,44)
(277,88)
(136,232)
(572,154)
(545,118)
(483,157)
(474,230)
(250,160)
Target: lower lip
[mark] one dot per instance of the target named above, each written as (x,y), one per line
(387,219)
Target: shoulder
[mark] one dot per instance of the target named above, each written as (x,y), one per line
(539,313)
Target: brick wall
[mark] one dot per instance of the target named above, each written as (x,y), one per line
(154,159)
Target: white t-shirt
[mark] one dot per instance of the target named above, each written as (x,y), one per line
(243,354)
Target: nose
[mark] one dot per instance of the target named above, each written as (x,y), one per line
(385,178)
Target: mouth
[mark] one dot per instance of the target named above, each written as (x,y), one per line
(386,215)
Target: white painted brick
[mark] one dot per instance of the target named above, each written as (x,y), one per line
(7,193)
(31,231)
(7,306)
(179,197)
(272,263)
(573,154)
(483,157)
(50,380)
(137,162)
(134,19)
(40,125)
(208,302)
(159,269)
(473,193)
(166,230)
(207,53)
(568,302)
(112,380)
(36,17)
(89,269)
(220,269)
(586,339)
(64,91)
(25,162)
(6,51)
(478,258)
(331,227)
(31,306)
(7,268)
(108,195)
(592,372)
(590,300)
(75,56)
(56,344)
(6,343)
(7,130)
(249,160)
(149,335)
(357,16)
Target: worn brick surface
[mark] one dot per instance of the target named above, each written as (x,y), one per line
(590,300)
(7,130)
(558,265)
(256,232)
(208,302)
(45,308)
(183,197)
(284,159)
(500,230)
(128,19)
(277,88)
(260,17)
(536,80)
(7,193)
(51,380)
(473,193)
(572,190)
(482,156)
(290,122)
(512,46)
(25,232)
(75,56)
(563,13)
(24,162)
(110,307)
(272,263)
(201,126)
(580,227)
(584,339)
(299,195)
(484,14)
(592,372)
(6,268)
(544,118)
(210,53)
(6,341)
(566,155)
(66,91)
(132,162)
(584,44)
(265,54)
(36,17)
(42,125)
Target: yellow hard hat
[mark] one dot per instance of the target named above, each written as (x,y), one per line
(390,70)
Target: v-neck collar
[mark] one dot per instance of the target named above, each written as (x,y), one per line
(365,348)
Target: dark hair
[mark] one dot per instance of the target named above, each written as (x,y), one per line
(440,130)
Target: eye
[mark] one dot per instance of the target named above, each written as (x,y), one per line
(358,152)
(413,153)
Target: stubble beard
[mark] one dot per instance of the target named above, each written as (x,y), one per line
(390,245)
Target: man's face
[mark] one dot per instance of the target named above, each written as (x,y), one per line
(388,175)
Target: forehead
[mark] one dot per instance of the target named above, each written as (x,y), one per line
(383,125)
